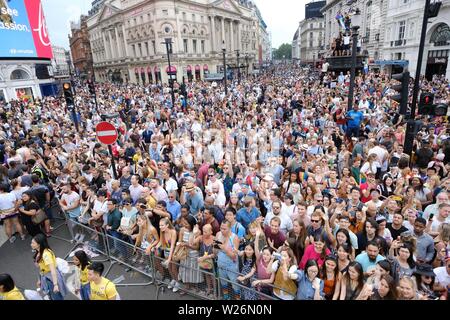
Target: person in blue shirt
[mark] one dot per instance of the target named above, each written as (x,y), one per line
(309,285)
(193,197)
(248,213)
(354,120)
(369,258)
(173,206)
(236,227)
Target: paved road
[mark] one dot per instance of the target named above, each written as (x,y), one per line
(16,259)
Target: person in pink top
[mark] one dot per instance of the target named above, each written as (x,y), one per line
(264,258)
(316,251)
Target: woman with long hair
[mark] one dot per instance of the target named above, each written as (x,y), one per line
(189,272)
(234,202)
(284,266)
(330,275)
(401,256)
(352,282)
(310,286)
(296,239)
(407,289)
(50,280)
(344,255)
(165,249)
(28,207)
(423,194)
(387,187)
(146,238)
(263,260)
(308,193)
(206,256)
(81,261)
(9,214)
(247,270)
(316,251)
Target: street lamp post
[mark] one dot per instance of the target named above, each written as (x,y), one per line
(239,67)
(168,43)
(224,50)
(356,22)
(246,64)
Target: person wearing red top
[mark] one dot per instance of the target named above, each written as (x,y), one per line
(316,251)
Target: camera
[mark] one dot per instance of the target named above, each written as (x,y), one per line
(217,243)
(277,256)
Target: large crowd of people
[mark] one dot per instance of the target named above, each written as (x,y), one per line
(276,188)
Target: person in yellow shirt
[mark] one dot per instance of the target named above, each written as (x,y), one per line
(81,260)
(50,280)
(8,290)
(101,288)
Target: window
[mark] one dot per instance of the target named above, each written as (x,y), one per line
(203,46)
(133,47)
(401,30)
(194,46)
(202,19)
(411,30)
(140,50)
(165,12)
(311,26)
(184,15)
(149,16)
(185,45)
(154,46)
(134,22)
(146,49)
(193,17)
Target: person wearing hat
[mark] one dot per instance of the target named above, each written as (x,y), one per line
(425,278)
(191,196)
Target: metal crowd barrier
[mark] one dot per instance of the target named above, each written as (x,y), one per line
(196,282)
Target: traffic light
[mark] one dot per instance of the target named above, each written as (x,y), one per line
(440,110)
(91,87)
(426,103)
(403,89)
(412,128)
(68,95)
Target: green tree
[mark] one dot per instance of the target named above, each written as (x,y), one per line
(284,50)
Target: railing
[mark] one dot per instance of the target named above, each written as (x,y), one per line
(196,282)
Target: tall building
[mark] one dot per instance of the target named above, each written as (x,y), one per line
(59,62)
(80,48)
(296,46)
(403,26)
(312,33)
(371,31)
(127,38)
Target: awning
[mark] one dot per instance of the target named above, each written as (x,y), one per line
(214,77)
(142,70)
(149,69)
(197,68)
(189,68)
(136,70)
(157,69)
(402,63)
(205,67)
(172,69)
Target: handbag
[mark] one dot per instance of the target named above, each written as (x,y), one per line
(180,253)
(206,264)
(39,217)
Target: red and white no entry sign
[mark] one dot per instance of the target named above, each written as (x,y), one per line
(106,132)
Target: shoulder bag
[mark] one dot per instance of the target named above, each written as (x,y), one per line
(39,217)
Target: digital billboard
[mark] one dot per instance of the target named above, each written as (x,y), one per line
(312,9)
(23,31)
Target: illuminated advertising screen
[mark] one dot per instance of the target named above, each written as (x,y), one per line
(23,31)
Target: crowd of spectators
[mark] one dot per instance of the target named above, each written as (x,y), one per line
(276,187)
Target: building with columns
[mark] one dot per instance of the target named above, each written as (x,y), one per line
(127,38)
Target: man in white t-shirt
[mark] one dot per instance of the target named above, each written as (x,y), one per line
(286,222)
(442,280)
(70,202)
(442,217)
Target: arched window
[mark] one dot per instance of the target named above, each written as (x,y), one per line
(19,75)
(441,35)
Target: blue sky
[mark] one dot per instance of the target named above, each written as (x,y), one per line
(281,17)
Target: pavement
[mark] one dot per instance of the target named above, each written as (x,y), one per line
(17,260)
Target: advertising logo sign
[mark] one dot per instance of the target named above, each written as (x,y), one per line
(23,30)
